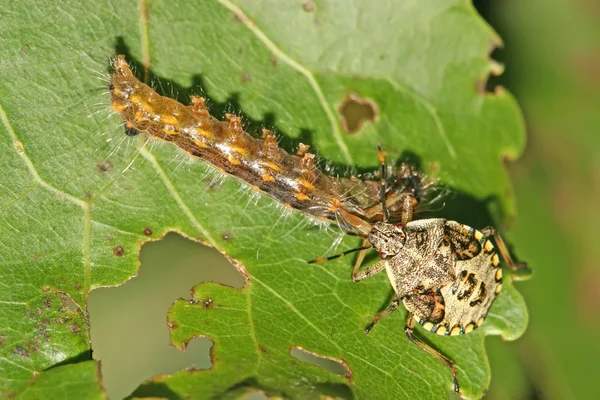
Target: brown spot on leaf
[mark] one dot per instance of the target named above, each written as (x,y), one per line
(246,77)
(273,61)
(75,328)
(42,329)
(21,351)
(47,301)
(104,166)
(2,340)
(208,303)
(263,348)
(356,111)
(119,251)
(308,6)
(239,16)
(147,231)
(24,49)
(227,235)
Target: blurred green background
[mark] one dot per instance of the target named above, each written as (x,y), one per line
(552,59)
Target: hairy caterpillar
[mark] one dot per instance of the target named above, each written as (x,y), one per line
(292,180)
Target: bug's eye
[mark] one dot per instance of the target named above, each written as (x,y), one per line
(383,256)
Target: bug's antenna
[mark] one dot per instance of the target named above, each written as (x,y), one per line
(382,183)
(320,260)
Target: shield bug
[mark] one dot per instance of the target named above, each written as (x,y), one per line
(446,274)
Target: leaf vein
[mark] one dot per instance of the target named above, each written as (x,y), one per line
(298,67)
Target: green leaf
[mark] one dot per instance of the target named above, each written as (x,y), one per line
(76,207)
(72,381)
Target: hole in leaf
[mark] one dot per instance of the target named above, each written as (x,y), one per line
(355,111)
(338,367)
(128,323)
(67,302)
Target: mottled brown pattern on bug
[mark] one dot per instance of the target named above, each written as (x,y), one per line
(447,292)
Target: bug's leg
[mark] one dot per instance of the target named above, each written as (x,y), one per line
(360,258)
(391,308)
(489,231)
(358,276)
(409,328)
(408,206)
(407,202)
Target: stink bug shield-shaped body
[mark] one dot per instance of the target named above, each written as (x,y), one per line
(445,273)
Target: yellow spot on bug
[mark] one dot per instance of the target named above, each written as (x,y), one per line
(480,321)
(455,331)
(469,327)
(495,260)
(478,235)
(498,288)
(428,325)
(441,330)
(488,246)
(138,116)
(499,274)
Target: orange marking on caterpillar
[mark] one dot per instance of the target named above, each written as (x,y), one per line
(301,196)
(268,178)
(169,119)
